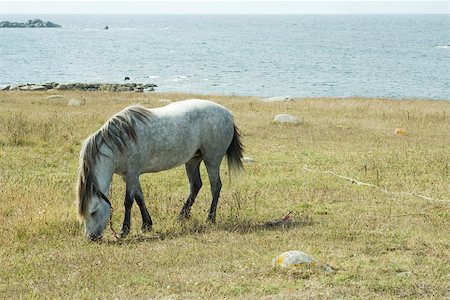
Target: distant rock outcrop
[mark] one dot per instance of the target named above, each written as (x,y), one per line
(107,87)
(36,23)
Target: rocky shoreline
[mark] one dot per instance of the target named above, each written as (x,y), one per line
(106,87)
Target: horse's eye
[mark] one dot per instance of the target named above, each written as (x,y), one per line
(93,213)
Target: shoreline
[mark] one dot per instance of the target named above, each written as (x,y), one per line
(79,86)
(150,87)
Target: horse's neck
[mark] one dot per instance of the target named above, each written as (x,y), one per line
(103,171)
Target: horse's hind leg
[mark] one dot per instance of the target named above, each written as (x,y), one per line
(146,219)
(213,168)
(195,183)
(128,203)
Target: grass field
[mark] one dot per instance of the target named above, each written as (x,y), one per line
(382,245)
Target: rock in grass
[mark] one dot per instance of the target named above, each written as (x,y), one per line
(276,99)
(285,118)
(55,97)
(247,160)
(4,88)
(400,131)
(299,259)
(74,102)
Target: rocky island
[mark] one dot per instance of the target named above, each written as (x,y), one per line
(36,23)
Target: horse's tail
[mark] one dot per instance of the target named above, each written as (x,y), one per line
(234,153)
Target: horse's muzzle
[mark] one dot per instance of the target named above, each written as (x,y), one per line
(95,237)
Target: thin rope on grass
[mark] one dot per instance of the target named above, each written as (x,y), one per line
(357,182)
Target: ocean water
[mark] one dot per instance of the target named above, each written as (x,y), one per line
(395,56)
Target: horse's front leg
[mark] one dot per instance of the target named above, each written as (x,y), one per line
(128,203)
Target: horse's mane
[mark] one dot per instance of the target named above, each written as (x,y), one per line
(116,134)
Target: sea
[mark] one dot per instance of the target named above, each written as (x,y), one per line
(395,56)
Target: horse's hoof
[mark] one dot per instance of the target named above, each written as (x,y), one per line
(184,216)
(123,233)
(146,227)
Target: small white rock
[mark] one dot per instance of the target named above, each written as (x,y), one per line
(296,258)
(247,160)
(276,99)
(33,87)
(74,102)
(55,97)
(285,118)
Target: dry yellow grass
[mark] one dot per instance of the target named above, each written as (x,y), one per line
(383,245)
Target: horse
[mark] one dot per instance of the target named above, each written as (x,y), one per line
(138,140)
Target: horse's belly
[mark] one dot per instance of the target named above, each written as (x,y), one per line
(167,159)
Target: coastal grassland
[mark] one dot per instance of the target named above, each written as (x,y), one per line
(382,245)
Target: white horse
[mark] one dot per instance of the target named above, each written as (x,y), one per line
(139,140)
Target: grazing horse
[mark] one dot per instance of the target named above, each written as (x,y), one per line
(139,140)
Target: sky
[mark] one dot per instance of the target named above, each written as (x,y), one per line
(224,7)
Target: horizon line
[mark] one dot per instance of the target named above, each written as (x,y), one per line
(225,13)
(221,7)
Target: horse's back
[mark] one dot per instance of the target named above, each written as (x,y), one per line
(191,106)
(176,132)
(207,119)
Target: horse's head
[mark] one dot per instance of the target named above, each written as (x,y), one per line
(94,208)
(97,216)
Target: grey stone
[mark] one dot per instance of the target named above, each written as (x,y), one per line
(276,99)
(296,258)
(149,85)
(32,87)
(55,97)
(38,88)
(74,102)
(122,88)
(61,87)
(50,85)
(285,118)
